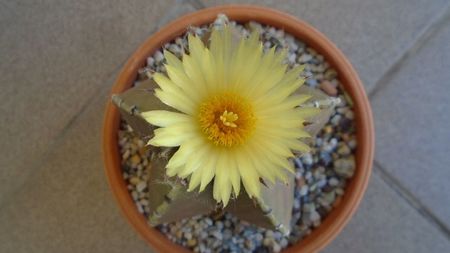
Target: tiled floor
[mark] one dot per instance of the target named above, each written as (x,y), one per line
(59,59)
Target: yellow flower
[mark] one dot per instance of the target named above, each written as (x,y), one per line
(235,115)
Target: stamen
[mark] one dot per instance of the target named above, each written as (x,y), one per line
(228,118)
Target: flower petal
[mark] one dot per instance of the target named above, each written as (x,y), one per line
(261,164)
(172,60)
(234,175)
(172,136)
(163,118)
(271,153)
(274,145)
(288,85)
(209,171)
(297,145)
(176,101)
(186,149)
(248,174)
(193,71)
(179,78)
(194,162)
(196,178)
(222,184)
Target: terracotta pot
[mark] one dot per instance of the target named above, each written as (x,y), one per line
(347,205)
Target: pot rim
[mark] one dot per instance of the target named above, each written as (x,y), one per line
(341,214)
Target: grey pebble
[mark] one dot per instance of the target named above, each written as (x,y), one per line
(309,207)
(305,58)
(312,82)
(330,74)
(344,150)
(345,167)
(333,181)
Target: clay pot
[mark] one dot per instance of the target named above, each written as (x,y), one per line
(341,214)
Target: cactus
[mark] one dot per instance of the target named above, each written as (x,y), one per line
(319,100)
(136,100)
(169,198)
(272,210)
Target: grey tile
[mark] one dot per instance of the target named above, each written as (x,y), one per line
(66,205)
(373,34)
(412,121)
(384,222)
(55,57)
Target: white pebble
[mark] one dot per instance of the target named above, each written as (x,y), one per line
(276,248)
(315,216)
(352,143)
(126,154)
(339,191)
(141,186)
(134,195)
(159,57)
(139,207)
(307,159)
(135,180)
(336,119)
(304,190)
(349,114)
(291,58)
(174,48)
(150,61)
(305,58)
(140,143)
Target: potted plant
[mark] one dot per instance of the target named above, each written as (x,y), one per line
(187,97)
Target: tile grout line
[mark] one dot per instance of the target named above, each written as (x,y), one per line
(196,4)
(428,32)
(63,132)
(171,14)
(405,194)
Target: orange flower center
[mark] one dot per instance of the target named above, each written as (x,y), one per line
(227,119)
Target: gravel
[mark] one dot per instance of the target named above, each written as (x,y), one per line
(321,176)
